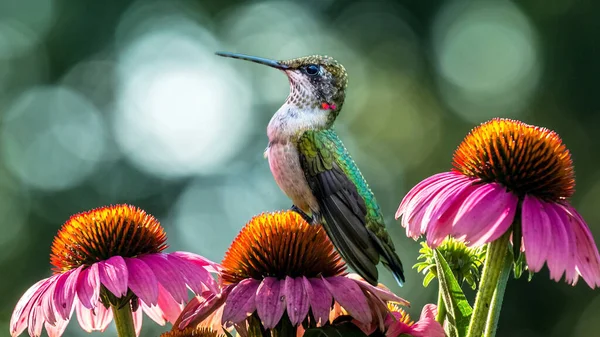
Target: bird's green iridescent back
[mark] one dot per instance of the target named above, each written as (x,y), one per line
(327,145)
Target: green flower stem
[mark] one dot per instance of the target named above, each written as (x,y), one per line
(123,320)
(494,264)
(494,314)
(441,307)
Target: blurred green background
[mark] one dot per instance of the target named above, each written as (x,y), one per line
(105,102)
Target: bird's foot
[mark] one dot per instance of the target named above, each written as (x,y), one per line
(311,220)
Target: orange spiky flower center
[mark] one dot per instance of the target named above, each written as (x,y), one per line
(525,159)
(401,315)
(192,331)
(99,234)
(278,245)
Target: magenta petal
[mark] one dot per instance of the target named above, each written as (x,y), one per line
(198,309)
(194,275)
(536,232)
(427,327)
(168,305)
(64,293)
(137,321)
(296,297)
(201,261)
(485,215)
(270,301)
(559,255)
(88,286)
(96,319)
(142,281)
(155,313)
(348,294)
(35,322)
(241,302)
(321,300)
(384,294)
(57,329)
(167,275)
(47,302)
(587,258)
(113,275)
(18,320)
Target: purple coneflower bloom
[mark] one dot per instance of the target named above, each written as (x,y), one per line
(111,256)
(508,173)
(280,266)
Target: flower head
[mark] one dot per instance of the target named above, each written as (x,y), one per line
(507,172)
(465,262)
(280,264)
(111,256)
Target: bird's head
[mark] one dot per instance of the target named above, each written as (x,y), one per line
(317,83)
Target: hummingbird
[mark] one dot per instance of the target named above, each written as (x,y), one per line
(313,168)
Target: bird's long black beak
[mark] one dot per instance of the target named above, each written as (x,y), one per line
(255,59)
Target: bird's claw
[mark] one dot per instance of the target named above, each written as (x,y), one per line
(311,220)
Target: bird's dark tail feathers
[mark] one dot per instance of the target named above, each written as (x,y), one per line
(390,259)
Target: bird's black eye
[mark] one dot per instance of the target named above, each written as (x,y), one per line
(312,69)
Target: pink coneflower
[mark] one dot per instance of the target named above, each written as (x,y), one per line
(281,270)
(508,173)
(398,323)
(108,259)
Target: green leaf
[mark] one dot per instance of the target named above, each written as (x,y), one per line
(344,329)
(458,308)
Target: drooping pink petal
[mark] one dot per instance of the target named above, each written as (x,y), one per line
(443,213)
(485,215)
(18,320)
(88,287)
(198,309)
(571,273)
(194,275)
(64,293)
(241,302)
(429,311)
(321,300)
(113,275)
(142,281)
(35,322)
(168,276)
(154,312)
(348,294)
(201,261)
(558,256)
(57,329)
(587,257)
(96,319)
(413,210)
(137,321)
(270,302)
(47,302)
(168,305)
(296,297)
(382,293)
(537,237)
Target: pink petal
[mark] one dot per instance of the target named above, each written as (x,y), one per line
(241,302)
(18,320)
(270,301)
(558,255)
(64,293)
(201,261)
(167,304)
(193,274)
(427,327)
(113,275)
(537,237)
(137,321)
(383,293)
(168,276)
(142,281)
(35,322)
(57,329)
(444,210)
(88,286)
(47,302)
(96,319)
(429,311)
(587,258)
(348,294)
(197,310)
(321,300)
(485,215)
(298,302)
(418,188)
(414,210)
